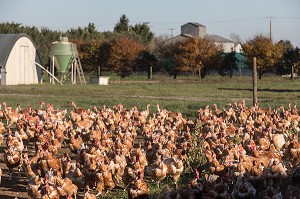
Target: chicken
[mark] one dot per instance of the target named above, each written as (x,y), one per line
(157,171)
(109,184)
(166,193)
(48,162)
(99,180)
(12,116)
(217,168)
(88,195)
(16,141)
(243,189)
(293,152)
(279,141)
(28,169)
(89,173)
(49,191)
(77,109)
(138,189)
(65,187)
(33,187)
(175,167)
(75,142)
(13,159)
(76,176)
(2,128)
(264,143)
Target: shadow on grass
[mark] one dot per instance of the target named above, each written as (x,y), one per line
(262,90)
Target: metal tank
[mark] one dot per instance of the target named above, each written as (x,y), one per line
(63,53)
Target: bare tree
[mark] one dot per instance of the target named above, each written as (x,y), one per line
(235,37)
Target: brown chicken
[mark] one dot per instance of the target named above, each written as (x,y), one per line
(175,167)
(76,176)
(138,188)
(48,161)
(65,187)
(13,159)
(88,195)
(157,171)
(75,142)
(109,183)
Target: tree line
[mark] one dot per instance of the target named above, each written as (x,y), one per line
(135,48)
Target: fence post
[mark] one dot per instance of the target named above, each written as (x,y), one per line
(254,80)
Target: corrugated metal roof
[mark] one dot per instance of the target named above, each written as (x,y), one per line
(180,37)
(196,24)
(7,42)
(217,38)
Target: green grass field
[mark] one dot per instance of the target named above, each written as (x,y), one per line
(186,94)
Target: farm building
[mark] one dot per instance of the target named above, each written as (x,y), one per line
(196,30)
(18,57)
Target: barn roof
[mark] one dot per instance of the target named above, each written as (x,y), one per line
(217,38)
(7,42)
(195,24)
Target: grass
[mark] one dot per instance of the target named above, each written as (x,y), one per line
(186,94)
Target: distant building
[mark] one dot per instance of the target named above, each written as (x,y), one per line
(196,30)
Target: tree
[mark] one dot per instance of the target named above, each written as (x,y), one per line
(90,54)
(143,30)
(267,54)
(187,55)
(123,55)
(210,56)
(235,37)
(164,52)
(229,63)
(147,61)
(291,59)
(122,25)
(190,55)
(286,45)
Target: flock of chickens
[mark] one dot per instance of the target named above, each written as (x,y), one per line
(248,152)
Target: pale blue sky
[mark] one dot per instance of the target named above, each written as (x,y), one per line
(246,18)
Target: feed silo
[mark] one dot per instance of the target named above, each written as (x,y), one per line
(64,56)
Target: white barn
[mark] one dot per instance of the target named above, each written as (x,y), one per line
(18,57)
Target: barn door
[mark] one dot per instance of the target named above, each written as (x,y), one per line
(24,65)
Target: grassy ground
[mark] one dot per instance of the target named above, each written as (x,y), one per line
(185,94)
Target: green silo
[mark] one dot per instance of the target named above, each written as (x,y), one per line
(63,52)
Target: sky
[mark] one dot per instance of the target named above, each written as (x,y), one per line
(245,18)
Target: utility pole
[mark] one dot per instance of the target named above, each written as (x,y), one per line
(270,19)
(171,29)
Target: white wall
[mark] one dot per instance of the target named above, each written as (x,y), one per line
(20,66)
(227,47)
